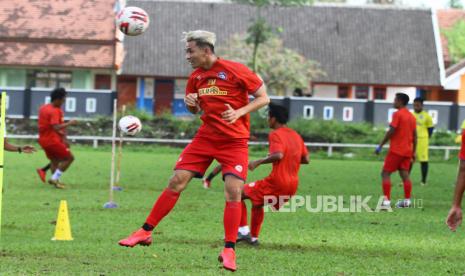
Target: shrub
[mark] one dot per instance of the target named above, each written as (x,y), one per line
(171,127)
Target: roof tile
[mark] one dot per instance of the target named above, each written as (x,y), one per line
(353,45)
(64,19)
(58,55)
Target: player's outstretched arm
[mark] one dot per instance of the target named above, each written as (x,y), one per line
(59,127)
(20,149)
(269,159)
(454,218)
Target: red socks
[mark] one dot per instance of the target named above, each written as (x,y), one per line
(407,188)
(387,189)
(231,220)
(243,215)
(258,214)
(162,206)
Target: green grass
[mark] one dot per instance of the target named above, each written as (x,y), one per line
(404,242)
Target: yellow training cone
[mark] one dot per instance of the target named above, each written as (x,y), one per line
(63,228)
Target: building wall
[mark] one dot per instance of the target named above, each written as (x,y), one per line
(81,78)
(79,103)
(109,72)
(331,91)
(326,109)
(145,94)
(88,103)
(441,113)
(460,116)
(127,90)
(446,115)
(325,91)
(10,77)
(152,94)
(391,92)
(179,108)
(461,92)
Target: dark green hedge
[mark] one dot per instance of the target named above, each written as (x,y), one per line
(169,126)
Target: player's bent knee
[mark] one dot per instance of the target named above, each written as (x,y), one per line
(232,194)
(177,183)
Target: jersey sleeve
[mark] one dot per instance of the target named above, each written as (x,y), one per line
(463,125)
(251,81)
(276,145)
(429,121)
(395,120)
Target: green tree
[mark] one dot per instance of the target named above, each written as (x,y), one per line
(456,41)
(259,32)
(281,68)
(455,4)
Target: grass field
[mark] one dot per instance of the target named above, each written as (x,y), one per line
(404,242)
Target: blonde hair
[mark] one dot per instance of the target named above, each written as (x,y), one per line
(200,37)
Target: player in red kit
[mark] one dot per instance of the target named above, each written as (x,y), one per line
(286,152)
(52,136)
(221,89)
(402,134)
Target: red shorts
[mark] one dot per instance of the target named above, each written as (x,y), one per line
(232,154)
(394,162)
(263,192)
(58,151)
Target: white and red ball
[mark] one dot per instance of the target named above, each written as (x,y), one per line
(132,21)
(130,125)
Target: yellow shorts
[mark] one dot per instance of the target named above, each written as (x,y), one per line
(422,149)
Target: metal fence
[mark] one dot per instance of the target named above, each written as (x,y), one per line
(329,146)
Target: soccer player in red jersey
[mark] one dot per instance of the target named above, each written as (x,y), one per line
(403,140)
(454,218)
(220,88)
(52,136)
(286,152)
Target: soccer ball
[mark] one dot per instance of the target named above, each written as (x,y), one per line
(130,125)
(132,21)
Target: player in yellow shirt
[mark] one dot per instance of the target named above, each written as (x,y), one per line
(458,139)
(425,129)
